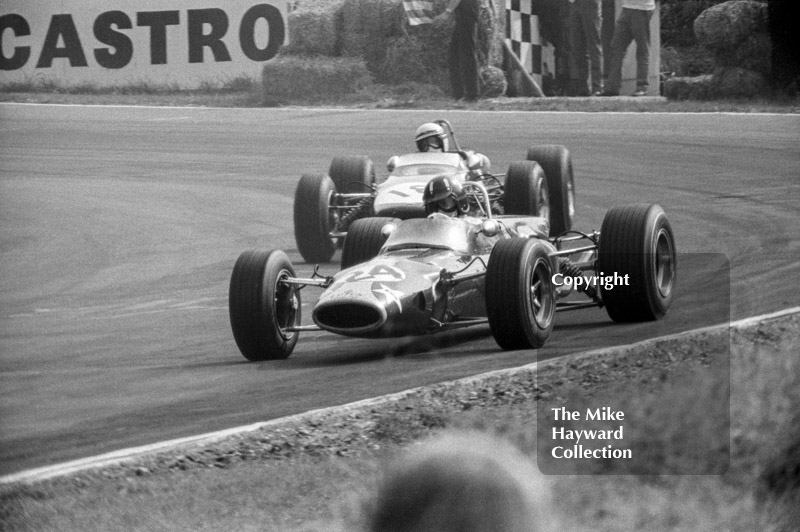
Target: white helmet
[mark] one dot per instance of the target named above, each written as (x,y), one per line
(431,135)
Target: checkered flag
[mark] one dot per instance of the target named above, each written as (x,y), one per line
(418,11)
(524,38)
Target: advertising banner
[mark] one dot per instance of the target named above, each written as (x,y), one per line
(123,42)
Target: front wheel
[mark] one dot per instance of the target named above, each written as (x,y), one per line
(314,219)
(557,164)
(352,174)
(363,241)
(262,306)
(637,246)
(520,297)
(525,191)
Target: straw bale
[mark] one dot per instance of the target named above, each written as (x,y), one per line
(288,77)
(726,25)
(397,52)
(410,59)
(313,31)
(367,25)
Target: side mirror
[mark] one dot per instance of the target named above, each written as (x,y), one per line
(490,228)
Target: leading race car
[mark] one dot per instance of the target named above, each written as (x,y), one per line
(325,205)
(426,275)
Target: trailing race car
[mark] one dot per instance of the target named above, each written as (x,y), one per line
(426,275)
(325,205)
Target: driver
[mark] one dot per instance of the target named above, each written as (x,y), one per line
(445,196)
(432,136)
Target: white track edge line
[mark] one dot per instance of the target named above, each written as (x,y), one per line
(125,455)
(356,110)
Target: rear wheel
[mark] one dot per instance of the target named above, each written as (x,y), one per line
(557,165)
(637,241)
(352,174)
(520,300)
(313,218)
(525,191)
(363,241)
(262,306)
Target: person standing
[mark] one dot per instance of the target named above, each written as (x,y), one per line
(586,46)
(462,56)
(633,24)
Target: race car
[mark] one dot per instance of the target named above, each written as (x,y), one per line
(427,275)
(325,205)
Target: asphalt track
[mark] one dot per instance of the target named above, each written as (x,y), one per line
(119,228)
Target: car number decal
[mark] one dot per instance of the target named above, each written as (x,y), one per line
(418,189)
(379,273)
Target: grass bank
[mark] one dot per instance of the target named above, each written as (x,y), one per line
(247,93)
(320,474)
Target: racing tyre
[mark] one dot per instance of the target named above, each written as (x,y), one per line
(520,297)
(261,306)
(557,165)
(313,218)
(637,241)
(525,192)
(352,174)
(363,241)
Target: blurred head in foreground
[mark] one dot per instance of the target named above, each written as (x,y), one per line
(464,482)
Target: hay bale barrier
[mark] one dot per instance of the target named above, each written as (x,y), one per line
(300,78)
(313,32)
(735,35)
(376,35)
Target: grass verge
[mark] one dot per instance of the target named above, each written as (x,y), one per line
(245,92)
(320,474)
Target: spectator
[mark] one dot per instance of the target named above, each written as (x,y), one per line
(585,23)
(462,483)
(462,56)
(633,24)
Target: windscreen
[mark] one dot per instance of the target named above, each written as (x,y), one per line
(437,233)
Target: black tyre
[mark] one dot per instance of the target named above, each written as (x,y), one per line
(525,192)
(352,174)
(557,165)
(637,241)
(313,218)
(520,299)
(363,241)
(261,307)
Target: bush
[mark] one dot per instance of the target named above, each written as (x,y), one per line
(493,82)
(725,26)
(677,19)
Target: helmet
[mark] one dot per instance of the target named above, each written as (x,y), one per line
(446,195)
(431,135)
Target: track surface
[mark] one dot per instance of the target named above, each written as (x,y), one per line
(119,228)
